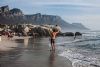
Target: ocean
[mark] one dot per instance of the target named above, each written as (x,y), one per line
(83,51)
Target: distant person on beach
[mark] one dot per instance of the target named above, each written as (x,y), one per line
(0,37)
(10,35)
(53,34)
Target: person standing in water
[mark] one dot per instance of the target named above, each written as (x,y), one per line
(53,34)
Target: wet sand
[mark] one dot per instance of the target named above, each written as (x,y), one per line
(32,53)
(6,44)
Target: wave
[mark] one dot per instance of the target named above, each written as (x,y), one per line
(77,40)
(79,60)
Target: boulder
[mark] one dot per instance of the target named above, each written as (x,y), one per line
(56,28)
(40,31)
(68,34)
(78,34)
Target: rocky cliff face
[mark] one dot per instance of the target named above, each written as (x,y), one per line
(4,11)
(16,16)
(45,19)
(12,16)
(16,12)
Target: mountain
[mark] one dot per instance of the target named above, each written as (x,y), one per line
(79,26)
(16,16)
(46,19)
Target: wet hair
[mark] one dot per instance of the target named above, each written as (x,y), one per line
(56,25)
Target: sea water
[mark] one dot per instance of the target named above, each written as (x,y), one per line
(83,51)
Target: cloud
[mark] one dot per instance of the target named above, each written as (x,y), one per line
(51,2)
(84,2)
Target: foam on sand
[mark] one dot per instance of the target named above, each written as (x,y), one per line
(79,60)
(6,45)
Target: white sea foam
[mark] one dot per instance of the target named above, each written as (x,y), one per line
(82,52)
(79,60)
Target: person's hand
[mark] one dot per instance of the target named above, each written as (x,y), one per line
(50,30)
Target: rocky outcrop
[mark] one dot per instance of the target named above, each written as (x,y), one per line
(67,34)
(4,10)
(35,30)
(39,31)
(13,16)
(16,12)
(70,34)
(78,34)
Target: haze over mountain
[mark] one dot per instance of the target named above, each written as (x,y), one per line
(16,16)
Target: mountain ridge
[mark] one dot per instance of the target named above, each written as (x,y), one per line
(16,16)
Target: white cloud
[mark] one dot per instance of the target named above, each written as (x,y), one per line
(46,2)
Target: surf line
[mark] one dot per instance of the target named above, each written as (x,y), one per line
(60,44)
(78,40)
(74,41)
(68,42)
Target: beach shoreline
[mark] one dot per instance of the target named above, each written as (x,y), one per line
(7,45)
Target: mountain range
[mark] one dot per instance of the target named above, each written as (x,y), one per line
(16,16)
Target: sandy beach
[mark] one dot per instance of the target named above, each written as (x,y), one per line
(25,51)
(6,44)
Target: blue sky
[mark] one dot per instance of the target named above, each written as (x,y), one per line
(86,12)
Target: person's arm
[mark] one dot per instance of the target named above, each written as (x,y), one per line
(57,32)
(50,31)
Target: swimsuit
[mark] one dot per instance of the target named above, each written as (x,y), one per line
(53,37)
(52,40)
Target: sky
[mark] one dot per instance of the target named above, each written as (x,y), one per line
(86,12)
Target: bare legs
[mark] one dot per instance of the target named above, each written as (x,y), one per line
(53,46)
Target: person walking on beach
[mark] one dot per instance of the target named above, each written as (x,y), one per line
(53,34)
(0,37)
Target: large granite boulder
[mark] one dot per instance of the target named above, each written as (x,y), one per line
(69,34)
(42,30)
(78,34)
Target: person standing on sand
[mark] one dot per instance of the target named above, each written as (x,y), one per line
(53,34)
(0,37)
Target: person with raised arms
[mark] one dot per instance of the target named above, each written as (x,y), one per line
(53,34)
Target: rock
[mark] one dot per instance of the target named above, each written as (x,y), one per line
(4,9)
(68,34)
(56,28)
(78,34)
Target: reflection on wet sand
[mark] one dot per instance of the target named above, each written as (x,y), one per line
(52,58)
(31,52)
(26,40)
